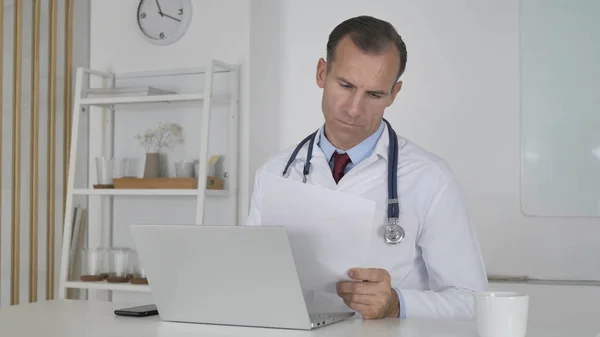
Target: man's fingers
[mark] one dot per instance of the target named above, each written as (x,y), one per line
(369,274)
(358,299)
(363,288)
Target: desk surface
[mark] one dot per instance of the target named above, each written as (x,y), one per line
(96,319)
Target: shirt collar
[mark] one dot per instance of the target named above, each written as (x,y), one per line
(358,153)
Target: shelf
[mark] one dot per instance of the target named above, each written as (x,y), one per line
(153,95)
(117,99)
(149,192)
(125,92)
(103,285)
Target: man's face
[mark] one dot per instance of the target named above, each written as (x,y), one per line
(356,90)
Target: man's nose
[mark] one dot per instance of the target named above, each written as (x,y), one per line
(354,104)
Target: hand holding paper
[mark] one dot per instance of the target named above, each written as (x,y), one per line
(370,293)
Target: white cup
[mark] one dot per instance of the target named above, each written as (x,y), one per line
(129,167)
(501,314)
(105,170)
(184,169)
(196,169)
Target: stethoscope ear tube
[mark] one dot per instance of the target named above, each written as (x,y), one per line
(285,172)
(306,170)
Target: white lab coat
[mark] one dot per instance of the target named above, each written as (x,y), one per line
(438,266)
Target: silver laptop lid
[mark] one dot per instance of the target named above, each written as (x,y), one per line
(233,275)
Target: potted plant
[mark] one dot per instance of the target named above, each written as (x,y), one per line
(163,137)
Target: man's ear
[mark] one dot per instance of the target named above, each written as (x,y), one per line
(395,90)
(321,72)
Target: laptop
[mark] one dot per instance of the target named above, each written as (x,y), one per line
(228,275)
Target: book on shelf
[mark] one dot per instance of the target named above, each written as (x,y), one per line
(78,235)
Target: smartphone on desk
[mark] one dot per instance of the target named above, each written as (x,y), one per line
(139,311)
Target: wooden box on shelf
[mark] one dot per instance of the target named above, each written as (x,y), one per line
(214,183)
(155,183)
(102,186)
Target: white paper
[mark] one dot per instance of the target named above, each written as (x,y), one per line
(329,231)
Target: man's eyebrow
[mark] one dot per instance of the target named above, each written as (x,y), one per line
(370,92)
(378,92)
(341,79)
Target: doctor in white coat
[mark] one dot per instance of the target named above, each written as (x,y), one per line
(437,267)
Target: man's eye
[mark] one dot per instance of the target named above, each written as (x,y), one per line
(345,85)
(377,96)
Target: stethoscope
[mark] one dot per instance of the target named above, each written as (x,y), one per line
(394,233)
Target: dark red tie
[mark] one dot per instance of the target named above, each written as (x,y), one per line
(340,161)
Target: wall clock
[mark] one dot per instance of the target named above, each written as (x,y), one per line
(164,22)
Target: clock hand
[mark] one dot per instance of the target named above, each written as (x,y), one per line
(159,9)
(170,17)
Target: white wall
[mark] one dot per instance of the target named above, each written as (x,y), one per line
(265,80)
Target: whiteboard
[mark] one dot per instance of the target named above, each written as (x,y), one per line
(560,107)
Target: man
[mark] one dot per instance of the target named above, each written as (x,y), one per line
(437,268)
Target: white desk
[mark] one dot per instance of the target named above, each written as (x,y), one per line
(96,319)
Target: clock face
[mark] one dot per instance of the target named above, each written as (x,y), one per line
(164,21)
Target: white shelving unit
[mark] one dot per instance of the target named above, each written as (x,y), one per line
(100,202)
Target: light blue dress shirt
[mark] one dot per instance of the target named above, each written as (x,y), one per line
(358,153)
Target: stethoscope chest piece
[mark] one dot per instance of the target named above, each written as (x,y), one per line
(394,233)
